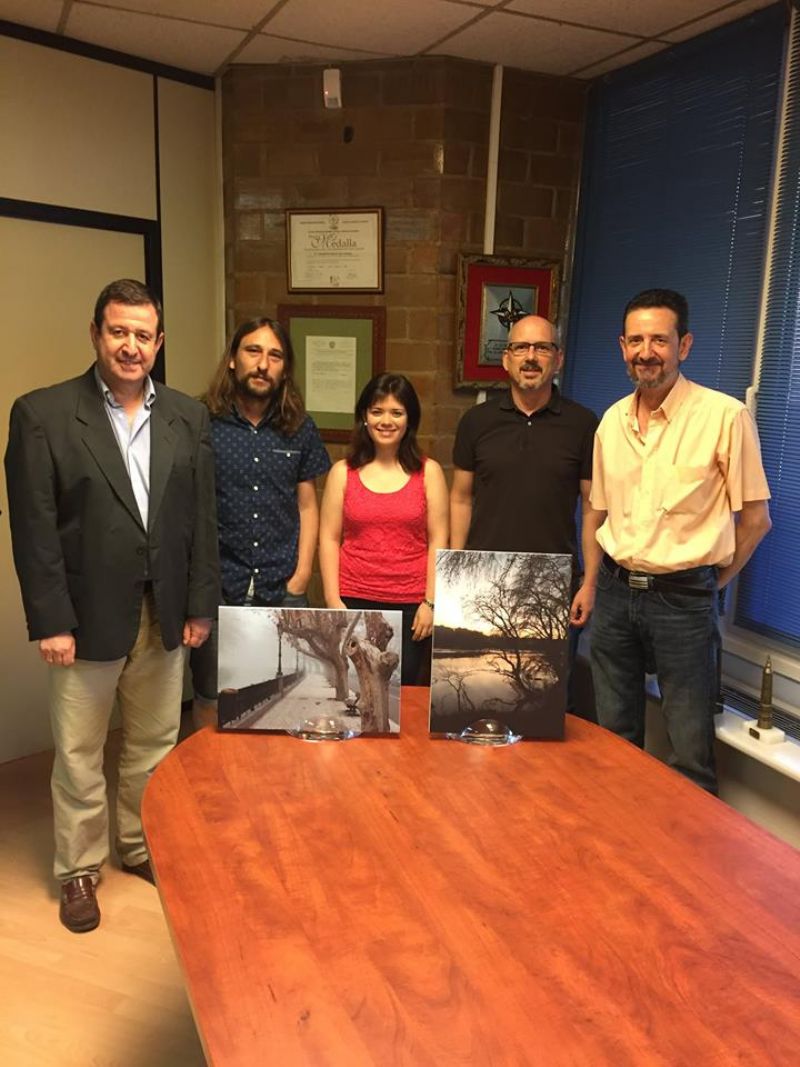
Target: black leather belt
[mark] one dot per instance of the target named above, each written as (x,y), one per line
(674,582)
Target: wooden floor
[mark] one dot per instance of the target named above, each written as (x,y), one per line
(110,997)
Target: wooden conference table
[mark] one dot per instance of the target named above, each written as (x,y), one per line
(409,901)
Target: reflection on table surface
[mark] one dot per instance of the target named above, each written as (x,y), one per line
(418,901)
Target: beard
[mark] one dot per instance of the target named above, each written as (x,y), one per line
(647,383)
(528,365)
(256,385)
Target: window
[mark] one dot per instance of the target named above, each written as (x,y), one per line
(675,194)
(768,600)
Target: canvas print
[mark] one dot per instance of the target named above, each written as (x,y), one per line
(279,667)
(500,641)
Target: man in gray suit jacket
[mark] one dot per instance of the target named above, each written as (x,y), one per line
(111,494)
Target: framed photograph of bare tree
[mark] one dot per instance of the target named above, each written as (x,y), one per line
(279,667)
(500,632)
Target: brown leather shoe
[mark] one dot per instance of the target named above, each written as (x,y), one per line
(79,910)
(141,870)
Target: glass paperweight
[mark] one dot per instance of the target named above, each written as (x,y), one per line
(323,728)
(486,732)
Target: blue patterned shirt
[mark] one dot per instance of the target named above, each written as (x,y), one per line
(257,473)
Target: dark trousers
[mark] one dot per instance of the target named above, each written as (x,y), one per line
(678,634)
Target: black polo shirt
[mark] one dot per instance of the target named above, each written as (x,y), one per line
(527,471)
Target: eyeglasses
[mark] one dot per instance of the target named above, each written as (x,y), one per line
(539,348)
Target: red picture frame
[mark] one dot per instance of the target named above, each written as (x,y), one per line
(486,284)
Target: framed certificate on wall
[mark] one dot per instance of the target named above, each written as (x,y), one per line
(334,251)
(337,350)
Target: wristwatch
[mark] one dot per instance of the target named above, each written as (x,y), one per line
(428,602)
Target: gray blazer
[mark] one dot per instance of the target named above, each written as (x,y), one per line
(80,549)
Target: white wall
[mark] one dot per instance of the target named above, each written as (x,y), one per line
(191,227)
(81,133)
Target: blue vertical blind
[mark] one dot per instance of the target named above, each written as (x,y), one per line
(769,590)
(675,188)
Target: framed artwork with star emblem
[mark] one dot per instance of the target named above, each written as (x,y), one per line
(493,292)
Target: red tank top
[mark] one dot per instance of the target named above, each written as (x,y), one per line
(384,553)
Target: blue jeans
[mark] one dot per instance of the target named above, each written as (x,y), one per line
(679,634)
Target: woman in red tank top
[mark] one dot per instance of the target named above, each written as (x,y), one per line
(384,514)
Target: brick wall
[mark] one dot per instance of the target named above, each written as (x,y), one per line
(417,146)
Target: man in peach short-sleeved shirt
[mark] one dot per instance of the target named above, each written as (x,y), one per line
(680,504)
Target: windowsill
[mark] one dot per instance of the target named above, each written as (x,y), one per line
(751,648)
(784,757)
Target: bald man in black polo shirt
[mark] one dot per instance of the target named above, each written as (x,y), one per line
(522,462)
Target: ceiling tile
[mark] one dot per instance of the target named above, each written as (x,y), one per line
(180,44)
(40,14)
(633,55)
(378,25)
(266,49)
(647,18)
(730,14)
(239,14)
(571,36)
(545,47)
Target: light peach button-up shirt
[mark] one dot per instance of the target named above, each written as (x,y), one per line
(671,493)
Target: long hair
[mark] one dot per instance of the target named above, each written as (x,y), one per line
(362,447)
(286,408)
